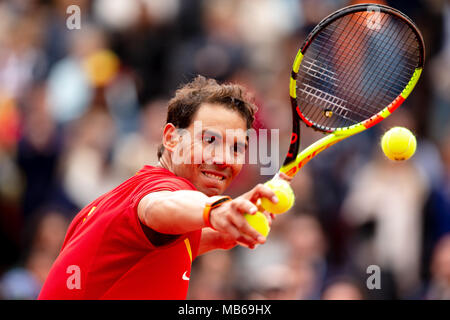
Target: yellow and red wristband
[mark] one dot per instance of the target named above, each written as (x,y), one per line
(210,206)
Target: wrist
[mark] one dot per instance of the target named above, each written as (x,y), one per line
(211,205)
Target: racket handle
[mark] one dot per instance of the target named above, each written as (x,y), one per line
(283,176)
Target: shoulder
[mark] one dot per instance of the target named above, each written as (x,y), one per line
(160,179)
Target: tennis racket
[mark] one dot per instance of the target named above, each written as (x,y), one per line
(355,68)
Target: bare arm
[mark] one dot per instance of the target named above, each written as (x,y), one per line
(174,212)
(181,211)
(212,240)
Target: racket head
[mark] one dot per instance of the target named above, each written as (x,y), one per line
(353,70)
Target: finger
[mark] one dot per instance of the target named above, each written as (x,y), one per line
(261,191)
(246,245)
(244,227)
(260,207)
(247,230)
(242,206)
(247,241)
(232,231)
(269,216)
(224,225)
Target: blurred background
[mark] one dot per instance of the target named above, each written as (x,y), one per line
(82,110)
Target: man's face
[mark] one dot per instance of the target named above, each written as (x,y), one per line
(211,150)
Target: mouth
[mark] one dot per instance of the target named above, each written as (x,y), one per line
(214,175)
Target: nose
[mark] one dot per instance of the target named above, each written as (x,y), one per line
(219,160)
(220,165)
(223,159)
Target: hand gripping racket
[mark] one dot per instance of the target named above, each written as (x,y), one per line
(354,69)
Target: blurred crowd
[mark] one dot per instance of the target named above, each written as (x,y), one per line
(81,110)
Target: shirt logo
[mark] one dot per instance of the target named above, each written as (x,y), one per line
(185,277)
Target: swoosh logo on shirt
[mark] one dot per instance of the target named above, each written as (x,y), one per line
(185,277)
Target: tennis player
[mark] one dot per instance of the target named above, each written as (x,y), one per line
(138,241)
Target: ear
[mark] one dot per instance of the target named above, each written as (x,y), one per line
(170,137)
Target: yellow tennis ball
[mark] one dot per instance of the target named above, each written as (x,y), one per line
(285,196)
(398,144)
(259,222)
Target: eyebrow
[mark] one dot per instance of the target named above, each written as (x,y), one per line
(211,132)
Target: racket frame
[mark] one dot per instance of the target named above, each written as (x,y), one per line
(294,160)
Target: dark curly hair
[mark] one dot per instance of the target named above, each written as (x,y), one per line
(188,98)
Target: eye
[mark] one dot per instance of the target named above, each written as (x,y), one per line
(209,139)
(238,148)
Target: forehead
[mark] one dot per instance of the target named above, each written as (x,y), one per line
(219,117)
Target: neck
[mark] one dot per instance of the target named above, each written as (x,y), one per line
(164,162)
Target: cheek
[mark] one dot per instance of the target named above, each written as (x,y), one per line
(236,168)
(186,152)
(190,172)
(197,152)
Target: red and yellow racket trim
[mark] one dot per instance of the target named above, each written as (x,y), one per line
(303,157)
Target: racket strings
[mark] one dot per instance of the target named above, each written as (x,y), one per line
(331,48)
(327,56)
(383,46)
(400,65)
(385,16)
(358,93)
(350,72)
(343,46)
(402,73)
(364,81)
(379,73)
(365,84)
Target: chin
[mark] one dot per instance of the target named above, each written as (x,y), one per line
(211,192)
(211,189)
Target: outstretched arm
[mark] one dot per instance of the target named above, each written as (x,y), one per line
(212,240)
(181,211)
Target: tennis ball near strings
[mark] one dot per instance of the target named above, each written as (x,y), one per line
(285,196)
(259,222)
(398,144)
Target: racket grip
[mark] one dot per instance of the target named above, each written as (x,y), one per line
(282,175)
